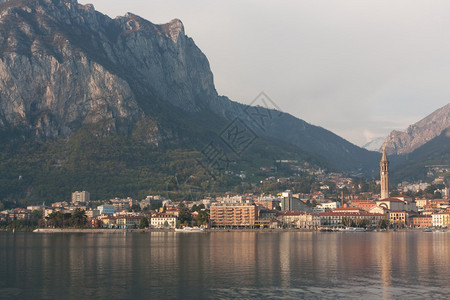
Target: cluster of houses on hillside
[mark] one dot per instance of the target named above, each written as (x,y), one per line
(285,210)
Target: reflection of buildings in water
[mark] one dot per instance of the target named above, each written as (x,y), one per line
(433,254)
(441,252)
(383,254)
(234,253)
(285,260)
(326,254)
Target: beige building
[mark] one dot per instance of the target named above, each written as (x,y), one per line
(421,203)
(233,214)
(128,221)
(398,218)
(295,219)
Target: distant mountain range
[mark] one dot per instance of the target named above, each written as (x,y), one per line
(84,97)
(375,144)
(421,145)
(419,133)
(415,165)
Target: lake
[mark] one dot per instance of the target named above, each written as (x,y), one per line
(225,265)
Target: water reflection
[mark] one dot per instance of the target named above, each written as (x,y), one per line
(224,265)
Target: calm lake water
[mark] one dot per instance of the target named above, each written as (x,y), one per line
(225,265)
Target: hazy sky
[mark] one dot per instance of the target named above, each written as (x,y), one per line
(358,68)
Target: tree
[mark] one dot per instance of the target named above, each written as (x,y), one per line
(56,219)
(198,208)
(384,223)
(437,195)
(185,215)
(143,223)
(202,218)
(363,222)
(36,214)
(135,207)
(155,205)
(78,218)
(347,221)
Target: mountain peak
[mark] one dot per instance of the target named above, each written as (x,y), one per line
(417,134)
(173,29)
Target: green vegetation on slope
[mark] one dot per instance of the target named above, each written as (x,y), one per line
(122,166)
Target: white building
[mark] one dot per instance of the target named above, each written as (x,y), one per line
(437,220)
(163,221)
(330,205)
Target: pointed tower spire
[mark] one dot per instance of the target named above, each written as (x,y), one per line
(384,157)
(384,175)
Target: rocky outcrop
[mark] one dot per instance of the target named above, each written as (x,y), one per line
(64,65)
(418,134)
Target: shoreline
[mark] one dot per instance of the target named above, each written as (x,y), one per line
(115,231)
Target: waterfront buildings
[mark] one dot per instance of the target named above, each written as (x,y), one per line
(233,214)
(162,220)
(347,219)
(420,221)
(296,219)
(440,219)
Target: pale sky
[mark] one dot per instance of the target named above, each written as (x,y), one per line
(358,68)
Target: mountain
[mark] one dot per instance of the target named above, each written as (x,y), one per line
(414,165)
(419,133)
(375,144)
(84,96)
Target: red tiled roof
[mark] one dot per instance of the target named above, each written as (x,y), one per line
(346,214)
(291,213)
(391,200)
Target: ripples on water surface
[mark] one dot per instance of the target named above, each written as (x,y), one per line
(225,265)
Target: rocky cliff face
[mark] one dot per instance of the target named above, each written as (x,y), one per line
(418,134)
(64,65)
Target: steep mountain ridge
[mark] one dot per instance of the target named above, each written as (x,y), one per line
(434,152)
(65,66)
(419,133)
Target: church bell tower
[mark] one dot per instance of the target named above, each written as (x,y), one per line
(384,175)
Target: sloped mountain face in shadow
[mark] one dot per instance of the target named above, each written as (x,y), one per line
(65,67)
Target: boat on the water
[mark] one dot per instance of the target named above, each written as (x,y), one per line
(354,229)
(190,229)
